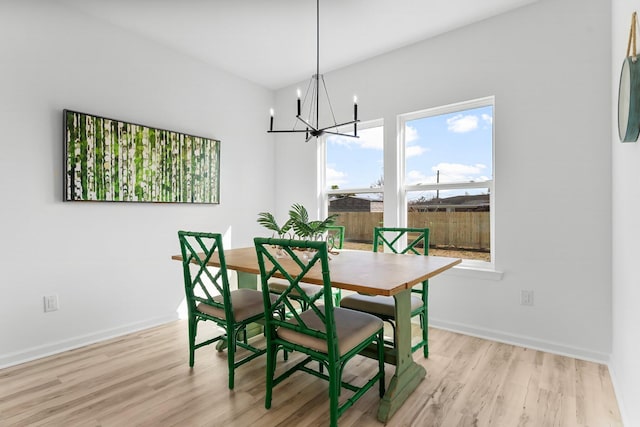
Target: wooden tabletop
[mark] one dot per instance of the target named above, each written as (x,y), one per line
(374,273)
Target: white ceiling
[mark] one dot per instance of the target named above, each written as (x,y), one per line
(273,42)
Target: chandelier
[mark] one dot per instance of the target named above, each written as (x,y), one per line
(308,109)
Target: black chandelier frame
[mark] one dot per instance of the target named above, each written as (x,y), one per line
(312,128)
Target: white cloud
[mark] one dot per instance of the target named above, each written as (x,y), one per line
(414,150)
(371,138)
(449,172)
(335,177)
(417,177)
(456,172)
(487,119)
(371,143)
(410,133)
(342,140)
(461,124)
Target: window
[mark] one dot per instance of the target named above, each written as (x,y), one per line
(448,177)
(353,183)
(444,168)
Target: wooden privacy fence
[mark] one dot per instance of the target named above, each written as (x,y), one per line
(463,230)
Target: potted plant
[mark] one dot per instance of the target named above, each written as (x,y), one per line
(298,224)
(305,229)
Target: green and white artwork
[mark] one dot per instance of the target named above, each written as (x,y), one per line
(111,160)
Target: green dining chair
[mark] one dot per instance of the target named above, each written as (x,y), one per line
(335,240)
(417,242)
(209,298)
(329,335)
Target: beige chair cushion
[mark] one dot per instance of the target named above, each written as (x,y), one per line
(352,327)
(376,304)
(278,286)
(246,303)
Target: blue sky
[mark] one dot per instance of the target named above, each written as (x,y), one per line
(456,144)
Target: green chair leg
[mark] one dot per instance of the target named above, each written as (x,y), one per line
(192,341)
(271,368)
(425,320)
(381,362)
(425,335)
(337,297)
(231,352)
(334,394)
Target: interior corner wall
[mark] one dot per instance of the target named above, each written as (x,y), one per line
(547,64)
(108,263)
(624,365)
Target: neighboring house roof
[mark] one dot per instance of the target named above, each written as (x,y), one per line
(470,200)
(368,199)
(464,202)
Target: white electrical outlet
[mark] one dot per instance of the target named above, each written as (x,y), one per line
(50,303)
(526,297)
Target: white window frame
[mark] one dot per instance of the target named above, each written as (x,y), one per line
(437,111)
(394,172)
(323,192)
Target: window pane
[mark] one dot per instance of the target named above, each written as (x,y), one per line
(359,214)
(459,225)
(450,148)
(355,162)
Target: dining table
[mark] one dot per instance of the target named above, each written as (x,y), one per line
(370,273)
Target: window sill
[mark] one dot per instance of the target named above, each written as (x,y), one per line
(476,270)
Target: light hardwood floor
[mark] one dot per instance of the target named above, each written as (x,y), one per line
(144,379)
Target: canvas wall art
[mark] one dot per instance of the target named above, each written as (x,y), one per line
(116,161)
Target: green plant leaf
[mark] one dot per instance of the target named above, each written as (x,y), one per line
(299,214)
(299,218)
(268,221)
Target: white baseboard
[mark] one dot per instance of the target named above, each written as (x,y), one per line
(49,349)
(616,390)
(522,341)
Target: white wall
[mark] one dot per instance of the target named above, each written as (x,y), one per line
(108,263)
(626,235)
(548,66)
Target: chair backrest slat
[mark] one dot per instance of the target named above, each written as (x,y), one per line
(335,236)
(389,237)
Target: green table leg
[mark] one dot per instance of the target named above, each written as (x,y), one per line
(408,373)
(246,281)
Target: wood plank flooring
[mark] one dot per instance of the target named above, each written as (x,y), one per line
(143,379)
